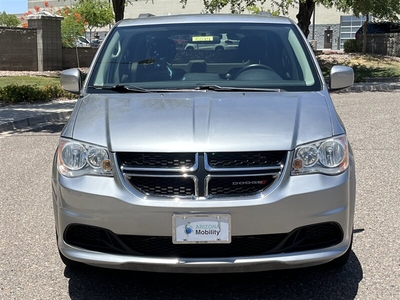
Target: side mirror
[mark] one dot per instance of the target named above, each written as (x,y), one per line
(341,77)
(71,81)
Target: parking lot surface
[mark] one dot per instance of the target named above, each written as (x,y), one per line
(31,269)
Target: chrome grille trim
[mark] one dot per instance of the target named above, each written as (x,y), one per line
(208,182)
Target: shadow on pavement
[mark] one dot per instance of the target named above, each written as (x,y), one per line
(48,128)
(45,128)
(310,283)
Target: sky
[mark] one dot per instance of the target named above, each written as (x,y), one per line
(13,6)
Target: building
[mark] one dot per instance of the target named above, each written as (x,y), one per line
(330,28)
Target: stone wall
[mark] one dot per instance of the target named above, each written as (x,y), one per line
(18,49)
(384,43)
(319,35)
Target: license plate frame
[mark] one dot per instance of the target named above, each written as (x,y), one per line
(205,228)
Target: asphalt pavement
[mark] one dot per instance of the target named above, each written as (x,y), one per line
(13,117)
(30,267)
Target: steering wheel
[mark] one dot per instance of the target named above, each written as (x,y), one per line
(253,67)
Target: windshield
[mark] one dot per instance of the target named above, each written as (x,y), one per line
(187,56)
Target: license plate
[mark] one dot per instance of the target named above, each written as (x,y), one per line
(201,228)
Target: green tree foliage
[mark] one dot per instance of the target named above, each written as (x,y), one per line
(96,13)
(84,15)
(352,46)
(236,6)
(388,9)
(9,20)
(72,26)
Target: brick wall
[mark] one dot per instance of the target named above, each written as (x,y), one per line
(77,57)
(18,49)
(48,41)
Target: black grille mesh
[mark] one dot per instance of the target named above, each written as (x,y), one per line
(238,185)
(157,160)
(245,159)
(163,186)
(310,237)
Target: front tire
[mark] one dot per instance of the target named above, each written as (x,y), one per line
(341,260)
(68,262)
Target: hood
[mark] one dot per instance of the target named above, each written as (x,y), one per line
(202,121)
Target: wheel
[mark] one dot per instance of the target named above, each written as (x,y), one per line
(253,67)
(219,48)
(68,262)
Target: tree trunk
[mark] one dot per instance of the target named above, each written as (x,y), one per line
(364,42)
(119,8)
(306,9)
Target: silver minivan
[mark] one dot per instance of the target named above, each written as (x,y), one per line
(204,161)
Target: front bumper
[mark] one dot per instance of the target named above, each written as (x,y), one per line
(296,202)
(187,265)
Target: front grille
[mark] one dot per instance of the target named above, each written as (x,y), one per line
(194,175)
(245,159)
(157,160)
(163,186)
(306,238)
(239,185)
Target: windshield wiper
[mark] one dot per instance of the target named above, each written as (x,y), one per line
(122,88)
(213,87)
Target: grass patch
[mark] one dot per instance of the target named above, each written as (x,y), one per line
(365,66)
(40,81)
(30,89)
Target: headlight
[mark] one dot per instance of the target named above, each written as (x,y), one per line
(77,159)
(330,156)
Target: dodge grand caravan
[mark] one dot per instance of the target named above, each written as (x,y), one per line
(204,161)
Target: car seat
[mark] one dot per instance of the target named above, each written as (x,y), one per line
(161,52)
(251,51)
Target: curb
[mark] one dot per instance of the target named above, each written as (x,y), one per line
(20,124)
(64,115)
(373,87)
